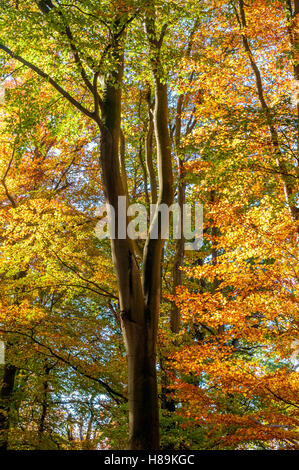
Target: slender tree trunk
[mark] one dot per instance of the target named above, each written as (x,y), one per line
(167,402)
(44,406)
(149,148)
(175,317)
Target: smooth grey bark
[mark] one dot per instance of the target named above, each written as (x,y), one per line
(122,161)
(149,148)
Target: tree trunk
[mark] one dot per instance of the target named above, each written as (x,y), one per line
(138,328)
(149,148)
(142,381)
(175,317)
(44,406)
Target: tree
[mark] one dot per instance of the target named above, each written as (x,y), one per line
(239,305)
(153,102)
(139,298)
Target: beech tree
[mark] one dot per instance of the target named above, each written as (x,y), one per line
(139,293)
(152,102)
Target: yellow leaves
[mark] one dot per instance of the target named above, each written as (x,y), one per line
(198,166)
(20,315)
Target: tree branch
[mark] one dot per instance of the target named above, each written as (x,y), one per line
(52,82)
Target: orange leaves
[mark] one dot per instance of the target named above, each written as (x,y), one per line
(239,303)
(19,316)
(265,26)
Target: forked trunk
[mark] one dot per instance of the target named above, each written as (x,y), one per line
(139,299)
(137,326)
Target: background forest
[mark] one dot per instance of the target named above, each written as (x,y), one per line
(200,98)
